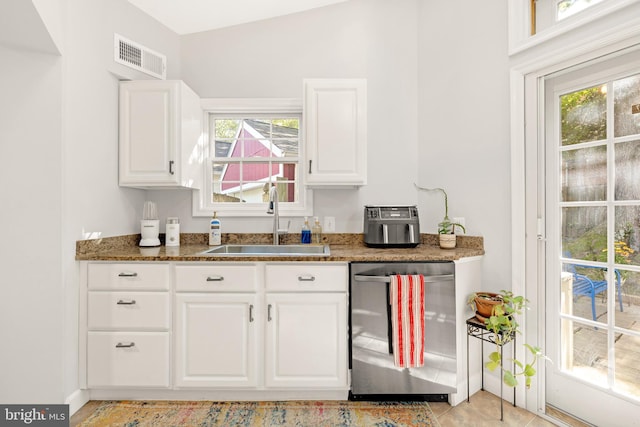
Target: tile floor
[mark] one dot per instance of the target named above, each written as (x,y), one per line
(483,410)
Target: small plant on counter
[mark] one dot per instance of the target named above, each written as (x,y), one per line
(501,320)
(446,228)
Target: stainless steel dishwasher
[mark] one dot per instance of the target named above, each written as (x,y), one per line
(373,373)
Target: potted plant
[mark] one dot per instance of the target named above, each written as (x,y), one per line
(501,320)
(446,228)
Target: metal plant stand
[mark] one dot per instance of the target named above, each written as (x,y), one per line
(477,329)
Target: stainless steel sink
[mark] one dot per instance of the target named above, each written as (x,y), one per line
(269,250)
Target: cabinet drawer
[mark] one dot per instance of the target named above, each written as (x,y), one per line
(299,277)
(129,310)
(216,278)
(136,359)
(129,276)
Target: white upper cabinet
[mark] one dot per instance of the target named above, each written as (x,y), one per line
(335,126)
(160,135)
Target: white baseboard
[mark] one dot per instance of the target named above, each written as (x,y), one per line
(76,400)
(218,395)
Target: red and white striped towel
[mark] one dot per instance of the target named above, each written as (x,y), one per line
(406,293)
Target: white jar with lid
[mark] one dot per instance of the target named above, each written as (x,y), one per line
(172,231)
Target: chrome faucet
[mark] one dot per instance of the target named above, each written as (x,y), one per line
(273,209)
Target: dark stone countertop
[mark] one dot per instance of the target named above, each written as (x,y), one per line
(344,248)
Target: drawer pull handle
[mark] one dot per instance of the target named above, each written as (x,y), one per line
(126,302)
(134,274)
(215,278)
(306,278)
(250,312)
(269,313)
(123,345)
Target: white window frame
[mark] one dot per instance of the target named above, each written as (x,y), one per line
(202,204)
(520,38)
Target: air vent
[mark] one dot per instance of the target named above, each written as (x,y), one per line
(139,58)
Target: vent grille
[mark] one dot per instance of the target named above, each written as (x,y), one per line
(138,57)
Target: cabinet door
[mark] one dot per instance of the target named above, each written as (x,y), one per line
(215,340)
(160,130)
(148,132)
(335,122)
(306,342)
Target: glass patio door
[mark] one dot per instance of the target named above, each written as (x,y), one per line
(592,153)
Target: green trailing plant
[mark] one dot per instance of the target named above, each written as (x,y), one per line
(446,226)
(502,322)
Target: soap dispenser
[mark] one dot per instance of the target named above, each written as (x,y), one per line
(305,236)
(316,231)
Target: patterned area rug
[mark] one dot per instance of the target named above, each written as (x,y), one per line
(263,414)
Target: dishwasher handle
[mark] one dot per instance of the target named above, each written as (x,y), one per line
(387,279)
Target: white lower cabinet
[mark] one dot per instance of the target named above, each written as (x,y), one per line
(306,340)
(215,340)
(128,322)
(216,326)
(286,330)
(306,334)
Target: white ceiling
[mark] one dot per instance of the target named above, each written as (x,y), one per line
(192,16)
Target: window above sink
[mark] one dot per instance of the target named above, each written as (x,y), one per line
(252,143)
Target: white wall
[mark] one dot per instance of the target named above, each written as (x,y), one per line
(464,124)
(374,39)
(59,134)
(31,298)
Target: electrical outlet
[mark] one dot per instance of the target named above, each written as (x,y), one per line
(329,224)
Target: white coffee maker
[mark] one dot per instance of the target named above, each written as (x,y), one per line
(150,225)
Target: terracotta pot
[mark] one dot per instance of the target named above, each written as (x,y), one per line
(484,307)
(447,241)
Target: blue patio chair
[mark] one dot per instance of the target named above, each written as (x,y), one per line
(584,285)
